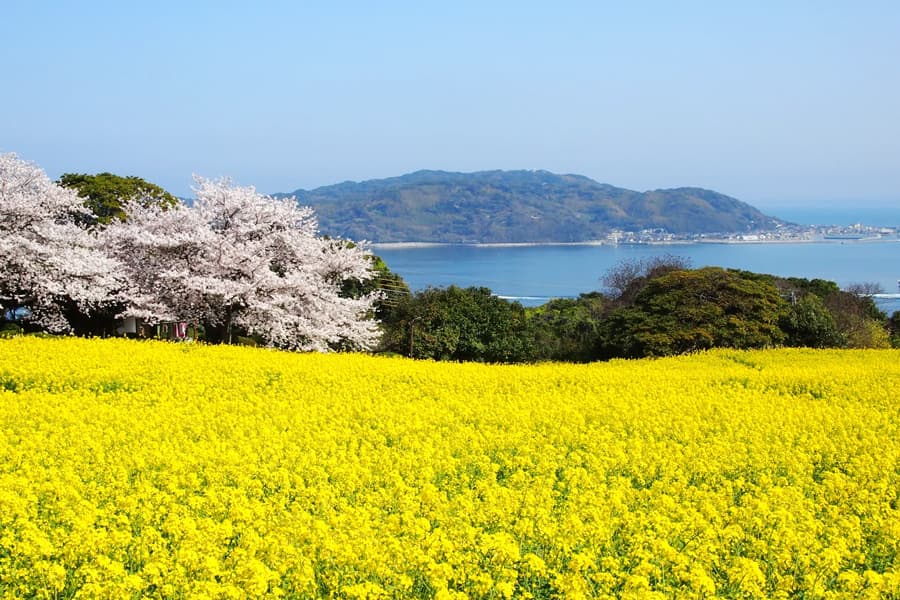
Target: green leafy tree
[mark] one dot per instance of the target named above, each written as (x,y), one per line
(685,311)
(465,324)
(858,318)
(894,329)
(869,333)
(567,329)
(104,194)
(797,286)
(809,323)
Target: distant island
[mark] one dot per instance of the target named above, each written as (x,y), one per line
(518,207)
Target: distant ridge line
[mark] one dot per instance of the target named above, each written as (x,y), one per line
(431,206)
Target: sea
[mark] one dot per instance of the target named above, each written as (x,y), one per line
(534,274)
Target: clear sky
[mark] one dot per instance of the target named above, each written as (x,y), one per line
(776,103)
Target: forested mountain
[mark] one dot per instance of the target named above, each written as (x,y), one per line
(516,206)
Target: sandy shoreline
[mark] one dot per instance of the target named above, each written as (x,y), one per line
(412,245)
(400,245)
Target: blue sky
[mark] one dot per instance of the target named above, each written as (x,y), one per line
(775,103)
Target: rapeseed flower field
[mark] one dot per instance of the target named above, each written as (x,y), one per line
(140,469)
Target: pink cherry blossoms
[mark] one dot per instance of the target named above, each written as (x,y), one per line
(234,261)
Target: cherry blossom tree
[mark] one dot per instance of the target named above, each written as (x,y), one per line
(238,261)
(50,265)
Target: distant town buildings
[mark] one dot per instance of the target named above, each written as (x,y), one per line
(786,233)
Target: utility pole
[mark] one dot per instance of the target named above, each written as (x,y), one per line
(412,329)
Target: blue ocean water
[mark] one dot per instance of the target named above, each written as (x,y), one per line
(534,274)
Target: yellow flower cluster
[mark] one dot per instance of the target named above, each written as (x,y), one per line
(141,469)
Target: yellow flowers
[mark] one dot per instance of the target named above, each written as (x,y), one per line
(160,470)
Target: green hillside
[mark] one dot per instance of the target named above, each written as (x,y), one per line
(516,206)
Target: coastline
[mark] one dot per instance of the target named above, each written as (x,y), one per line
(414,245)
(402,245)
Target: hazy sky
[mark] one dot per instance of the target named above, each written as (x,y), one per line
(775,103)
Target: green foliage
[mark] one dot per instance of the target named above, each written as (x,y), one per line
(686,311)
(567,329)
(458,324)
(808,322)
(105,193)
(869,333)
(894,329)
(657,307)
(820,287)
(858,320)
(853,319)
(9,329)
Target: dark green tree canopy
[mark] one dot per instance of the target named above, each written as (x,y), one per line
(809,323)
(459,324)
(686,311)
(894,329)
(853,319)
(105,193)
(566,329)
